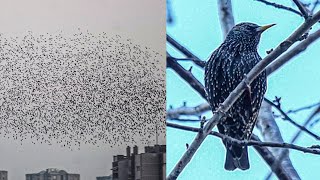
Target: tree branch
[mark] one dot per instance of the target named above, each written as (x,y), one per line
(302,9)
(253,142)
(279,6)
(186,75)
(185,51)
(270,132)
(303,108)
(194,111)
(236,93)
(226,16)
(175,113)
(286,117)
(284,154)
(293,52)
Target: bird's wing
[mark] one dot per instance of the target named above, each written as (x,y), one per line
(211,76)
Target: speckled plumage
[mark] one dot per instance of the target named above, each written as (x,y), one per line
(224,70)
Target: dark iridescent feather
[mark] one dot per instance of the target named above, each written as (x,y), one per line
(225,69)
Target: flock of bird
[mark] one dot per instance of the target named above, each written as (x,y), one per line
(80,88)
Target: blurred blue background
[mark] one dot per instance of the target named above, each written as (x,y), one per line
(196,26)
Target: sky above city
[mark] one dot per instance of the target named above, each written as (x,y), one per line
(142,21)
(196,26)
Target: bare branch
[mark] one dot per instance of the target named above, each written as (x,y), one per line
(186,75)
(236,93)
(185,120)
(292,53)
(279,6)
(205,107)
(270,160)
(315,4)
(302,9)
(196,61)
(286,117)
(283,155)
(185,51)
(225,15)
(303,108)
(263,151)
(250,142)
(270,132)
(305,124)
(194,111)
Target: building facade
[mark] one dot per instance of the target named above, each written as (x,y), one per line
(52,174)
(104,178)
(3,175)
(149,165)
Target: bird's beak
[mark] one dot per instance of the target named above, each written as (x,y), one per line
(263,28)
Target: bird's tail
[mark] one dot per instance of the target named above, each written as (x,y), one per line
(237,157)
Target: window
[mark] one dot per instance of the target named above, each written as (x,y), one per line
(138,168)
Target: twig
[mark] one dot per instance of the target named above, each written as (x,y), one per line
(279,6)
(315,4)
(195,111)
(292,53)
(185,120)
(270,132)
(185,51)
(186,75)
(281,156)
(286,117)
(195,60)
(315,122)
(263,151)
(313,114)
(303,108)
(302,9)
(204,107)
(294,111)
(236,93)
(249,142)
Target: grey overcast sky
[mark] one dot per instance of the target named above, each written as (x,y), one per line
(143,21)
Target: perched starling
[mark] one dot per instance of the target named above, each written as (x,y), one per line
(225,69)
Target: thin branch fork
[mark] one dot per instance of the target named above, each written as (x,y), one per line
(293,52)
(282,155)
(250,142)
(186,75)
(302,9)
(279,6)
(185,51)
(236,93)
(286,117)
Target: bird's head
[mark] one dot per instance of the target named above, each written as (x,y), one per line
(246,34)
